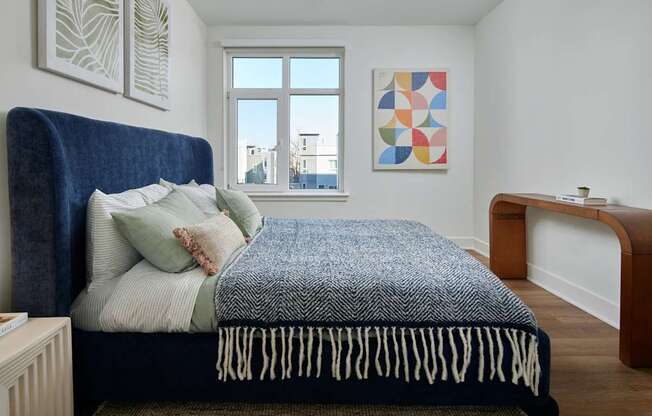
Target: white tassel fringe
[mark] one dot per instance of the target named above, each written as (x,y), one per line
(425,355)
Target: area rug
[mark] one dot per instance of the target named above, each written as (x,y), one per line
(246,409)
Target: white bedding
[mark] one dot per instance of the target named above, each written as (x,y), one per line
(87,307)
(125,293)
(145,299)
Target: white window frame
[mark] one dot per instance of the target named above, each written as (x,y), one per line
(282,95)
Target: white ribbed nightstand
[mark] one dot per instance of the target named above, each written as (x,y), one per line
(36,369)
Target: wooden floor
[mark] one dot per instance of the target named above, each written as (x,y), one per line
(587,377)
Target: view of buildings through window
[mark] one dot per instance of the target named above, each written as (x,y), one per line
(310,107)
(313,165)
(257,141)
(313,162)
(314,135)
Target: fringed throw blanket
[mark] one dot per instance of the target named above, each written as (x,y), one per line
(385,297)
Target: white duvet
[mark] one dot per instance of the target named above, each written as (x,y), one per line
(145,299)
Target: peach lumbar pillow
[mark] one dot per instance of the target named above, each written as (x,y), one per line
(211,242)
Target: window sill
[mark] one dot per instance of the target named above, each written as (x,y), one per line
(299,196)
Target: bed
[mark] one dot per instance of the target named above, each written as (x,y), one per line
(57,160)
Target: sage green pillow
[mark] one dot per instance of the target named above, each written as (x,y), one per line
(241,209)
(149,229)
(203,196)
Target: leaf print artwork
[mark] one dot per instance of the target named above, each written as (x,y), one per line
(82,39)
(149,52)
(88,35)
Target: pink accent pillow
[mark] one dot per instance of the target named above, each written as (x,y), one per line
(211,242)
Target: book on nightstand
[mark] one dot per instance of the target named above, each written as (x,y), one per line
(11,321)
(576,199)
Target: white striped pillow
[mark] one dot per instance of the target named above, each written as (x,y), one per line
(108,253)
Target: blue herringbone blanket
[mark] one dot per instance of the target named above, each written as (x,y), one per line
(342,281)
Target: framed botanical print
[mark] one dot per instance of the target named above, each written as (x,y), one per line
(82,40)
(148,52)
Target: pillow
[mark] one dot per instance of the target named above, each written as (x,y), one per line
(171,185)
(211,242)
(201,195)
(152,193)
(149,230)
(241,210)
(108,253)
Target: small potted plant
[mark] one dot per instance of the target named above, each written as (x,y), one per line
(583,191)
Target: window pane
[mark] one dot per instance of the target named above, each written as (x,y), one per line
(257,140)
(314,133)
(257,72)
(315,72)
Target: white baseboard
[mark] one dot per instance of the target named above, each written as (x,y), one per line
(471,243)
(481,247)
(592,303)
(464,242)
(589,302)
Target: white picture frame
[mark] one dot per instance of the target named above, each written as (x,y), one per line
(410,119)
(74,50)
(142,82)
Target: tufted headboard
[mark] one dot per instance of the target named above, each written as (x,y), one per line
(56,161)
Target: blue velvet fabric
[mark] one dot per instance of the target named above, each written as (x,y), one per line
(131,366)
(56,160)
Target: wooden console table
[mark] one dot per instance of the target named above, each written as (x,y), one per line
(633,226)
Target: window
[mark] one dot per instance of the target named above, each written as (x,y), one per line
(285,119)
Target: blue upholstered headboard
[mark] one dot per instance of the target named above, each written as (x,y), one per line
(56,161)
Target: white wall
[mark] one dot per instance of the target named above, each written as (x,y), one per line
(564,98)
(442,200)
(22,84)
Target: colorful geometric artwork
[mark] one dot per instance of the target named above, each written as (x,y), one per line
(410,119)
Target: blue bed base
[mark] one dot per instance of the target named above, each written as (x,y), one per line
(130,366)
(56,161)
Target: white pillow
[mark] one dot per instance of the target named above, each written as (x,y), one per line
(201,195)
(108,253)
(209,189)
(171,185)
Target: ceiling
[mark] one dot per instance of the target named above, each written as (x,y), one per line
(342,12)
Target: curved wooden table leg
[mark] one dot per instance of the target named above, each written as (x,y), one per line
(507,245)
(636,310)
